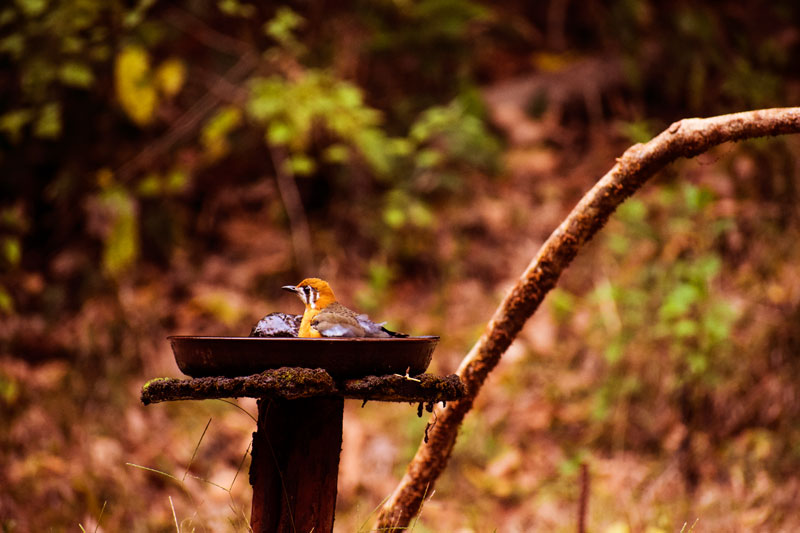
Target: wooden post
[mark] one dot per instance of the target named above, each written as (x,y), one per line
(295,464)
(298,439)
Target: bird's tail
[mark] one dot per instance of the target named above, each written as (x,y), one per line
(393,333)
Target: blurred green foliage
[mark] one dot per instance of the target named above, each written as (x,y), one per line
(418,142)
(662,316)
(53,49)
(669,322)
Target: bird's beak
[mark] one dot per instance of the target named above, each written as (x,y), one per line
(290,288)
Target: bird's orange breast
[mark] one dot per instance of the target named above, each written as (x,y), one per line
(305,325)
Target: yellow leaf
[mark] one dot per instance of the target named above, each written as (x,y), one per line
(136,91)
(618,527)
(549,62)
(48,124)
(121,246)
(6,302)
(32,8)
(215,132)
(170,76)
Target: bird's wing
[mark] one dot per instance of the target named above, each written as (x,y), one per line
(330,323)
(338,321)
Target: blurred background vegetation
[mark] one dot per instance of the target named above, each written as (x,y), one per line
(166,166)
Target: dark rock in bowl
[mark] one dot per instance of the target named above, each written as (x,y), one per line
(277,325)
(341,358)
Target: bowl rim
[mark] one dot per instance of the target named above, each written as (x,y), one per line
(308,339)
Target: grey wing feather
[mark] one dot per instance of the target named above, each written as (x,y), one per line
(371,329)
(339,321)
(330,324)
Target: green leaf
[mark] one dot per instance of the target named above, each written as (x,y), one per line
(9,388)
(394,217)
(686,328)
(7,16)
(400,146)
(619,244)
(268,97)
(150,185)
(679,301)
(707,267)
(420,215)
(336,153)
(632,210)
(698,363)
(135,16)
(135,89)
(6,302)
(72,45)
(235,8)
(428,158)
(48,124)
(12,251)
(279,133)
(214,136)
(301,164)
(697,198)
(32,8)
(170,77)
(13,45)
(562,304)
(349,96)
(176,181)
(12,123)
(121,246)
(614,351)
(282,26)
(639,131)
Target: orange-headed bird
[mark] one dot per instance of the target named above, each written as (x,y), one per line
(325,317)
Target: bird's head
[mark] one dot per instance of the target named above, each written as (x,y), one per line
(315,292)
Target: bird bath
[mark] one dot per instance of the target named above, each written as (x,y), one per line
(301,385)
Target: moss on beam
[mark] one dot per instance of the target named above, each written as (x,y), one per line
(287,382)
(293,383)
(396,388)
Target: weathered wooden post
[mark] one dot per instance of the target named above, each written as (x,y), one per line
(298,439)
(296,464)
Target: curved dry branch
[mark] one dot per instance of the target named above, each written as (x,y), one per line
(685,138)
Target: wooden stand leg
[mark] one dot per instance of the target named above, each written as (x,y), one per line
(295,465)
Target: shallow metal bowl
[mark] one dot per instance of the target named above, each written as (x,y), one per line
(341,358)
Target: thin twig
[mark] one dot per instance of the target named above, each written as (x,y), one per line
(298,222)
(174,516)
(194,453)
(205,34)
(583,501)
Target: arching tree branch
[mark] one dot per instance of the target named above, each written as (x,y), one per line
(685,138)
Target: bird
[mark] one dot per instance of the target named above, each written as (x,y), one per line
(326,317)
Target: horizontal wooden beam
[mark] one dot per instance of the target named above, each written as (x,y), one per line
(293,383)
